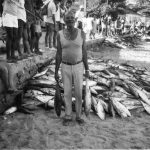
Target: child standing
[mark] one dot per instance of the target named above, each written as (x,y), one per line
(36,33)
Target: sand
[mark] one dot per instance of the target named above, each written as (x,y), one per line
(44,130)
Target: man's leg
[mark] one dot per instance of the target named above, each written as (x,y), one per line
(38,35)
(14,43)
(33,37)
(78,83)
(47,34)
(20,35)
(26,39)
(51,34)
(67,84)
(9,42)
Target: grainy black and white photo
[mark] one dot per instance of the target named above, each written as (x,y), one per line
(74,74)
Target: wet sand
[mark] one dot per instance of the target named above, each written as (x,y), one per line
(44,130)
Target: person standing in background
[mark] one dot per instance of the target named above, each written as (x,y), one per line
(10,22)
(27,40)
(57,25)
(94,27)
(51,22)
(79,17)
(62,14)
(36,28)
(21,26)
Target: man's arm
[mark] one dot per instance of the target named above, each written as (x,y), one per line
(58,57)
(84,54)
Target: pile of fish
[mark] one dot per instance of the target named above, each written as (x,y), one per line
(129,40)
(112,89)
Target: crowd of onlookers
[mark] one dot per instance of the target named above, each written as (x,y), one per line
(22,21)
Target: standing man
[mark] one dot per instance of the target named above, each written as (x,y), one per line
(72,56)
(51,22)
(79,17)
(10,22)
(21,25)
(57,28)
(28,32)
(62,13)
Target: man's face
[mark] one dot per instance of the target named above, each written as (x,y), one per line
(70,21)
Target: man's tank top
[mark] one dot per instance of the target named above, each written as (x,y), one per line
(71,49)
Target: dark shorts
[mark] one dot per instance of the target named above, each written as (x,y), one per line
(50,26)
(21,23)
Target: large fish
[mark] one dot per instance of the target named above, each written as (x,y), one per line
(120,89)
(100,110)
(141,94)
(87,101)
(93,91)
(90,83)
(121,109)
(94,104)
(58,100)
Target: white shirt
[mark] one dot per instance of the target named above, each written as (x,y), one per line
(62,11)
(51,12)
(79,15)
(21,13)
(57,15)
(89,23)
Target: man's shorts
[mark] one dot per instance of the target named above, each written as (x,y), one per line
(10,21)
(50,26)
(21,23)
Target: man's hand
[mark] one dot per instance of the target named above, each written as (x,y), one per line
(87,73)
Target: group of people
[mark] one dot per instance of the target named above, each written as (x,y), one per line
(21,20)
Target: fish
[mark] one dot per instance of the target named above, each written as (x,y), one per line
(58,100)
(90,83)
(100,110)
(129,101)
(94,104)
(93,91)
(121,109)
(50,103)
(105,106)
(111,109)
(99,88)
(41,73)
(146,107)
(31,104)
(132,107)
(42,83)
(87,100)
(43,98)
(141,94)
(96,67)
(10,110)
(120,89)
